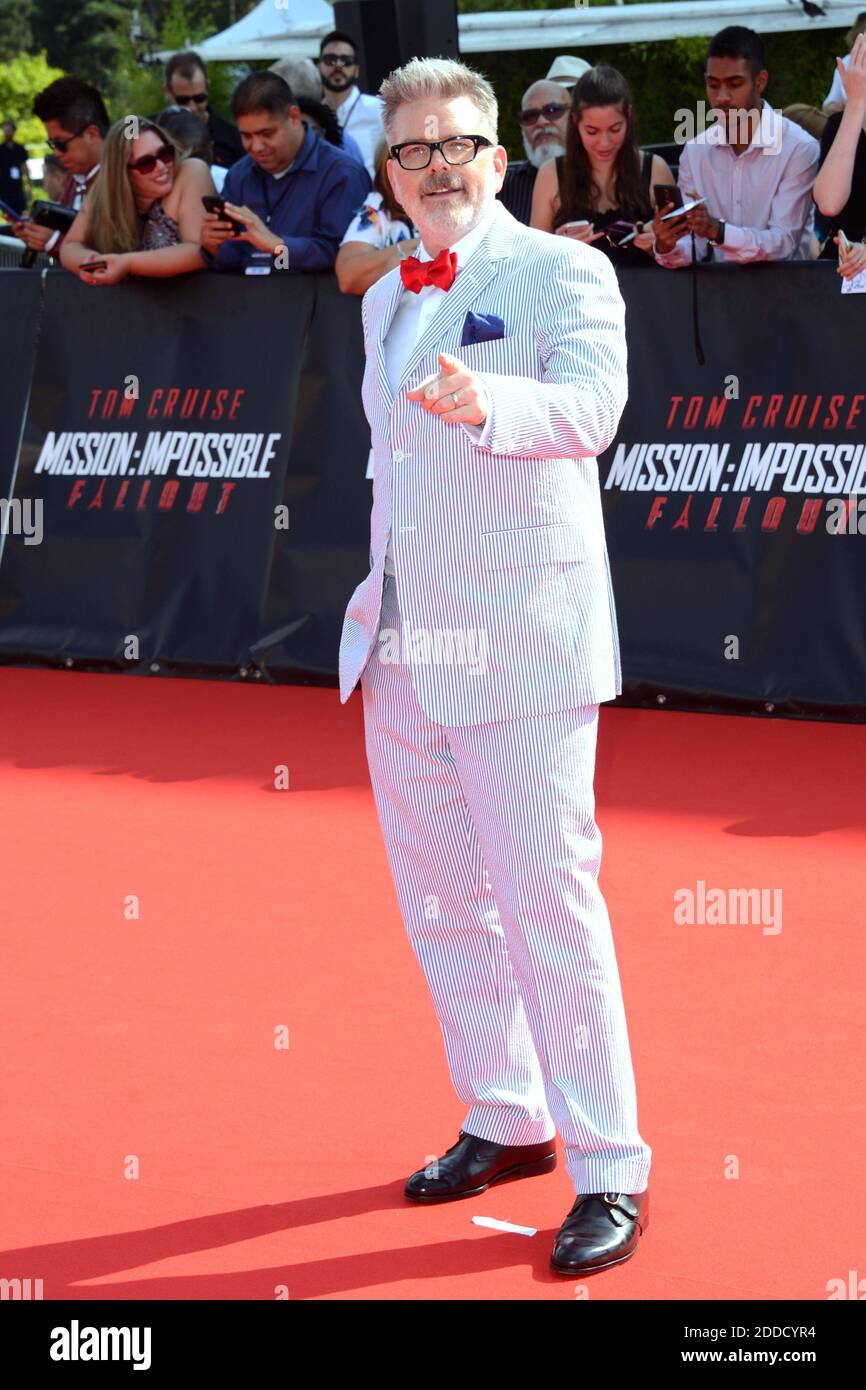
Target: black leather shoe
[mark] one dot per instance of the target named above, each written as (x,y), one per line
(472,1165)
(602,1229)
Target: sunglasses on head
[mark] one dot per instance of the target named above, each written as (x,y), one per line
(551,112)
(146,163)
(342,58)
(199,97)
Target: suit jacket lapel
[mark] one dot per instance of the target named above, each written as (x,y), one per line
(391,298)
(471,279)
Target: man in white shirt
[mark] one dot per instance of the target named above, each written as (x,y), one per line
(753,168)
(359,115)
(495,376)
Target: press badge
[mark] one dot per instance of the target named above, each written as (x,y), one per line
(259,263)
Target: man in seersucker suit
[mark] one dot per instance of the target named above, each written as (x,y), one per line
(485,638)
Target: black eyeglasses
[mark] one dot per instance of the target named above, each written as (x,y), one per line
(146,163)
(457,149)
(551,112)
(61,146)
(331,59)
(198,97)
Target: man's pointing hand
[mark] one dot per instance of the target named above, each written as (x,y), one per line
(453,392)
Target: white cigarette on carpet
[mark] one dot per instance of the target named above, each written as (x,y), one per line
(504,1226)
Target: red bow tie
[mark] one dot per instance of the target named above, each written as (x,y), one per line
(441,271)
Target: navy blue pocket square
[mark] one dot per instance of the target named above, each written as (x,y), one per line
(481,328)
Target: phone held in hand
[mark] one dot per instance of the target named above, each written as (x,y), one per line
(682,210)
(212,203)
(668,196)
(621,232)
(94,265)
(10,214)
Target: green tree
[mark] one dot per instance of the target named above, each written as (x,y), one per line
(20,81)
(16,34)
(86,37)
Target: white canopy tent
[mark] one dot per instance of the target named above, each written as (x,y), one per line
(293,28)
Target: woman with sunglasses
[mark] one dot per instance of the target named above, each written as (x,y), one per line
(143,215)
(603,178)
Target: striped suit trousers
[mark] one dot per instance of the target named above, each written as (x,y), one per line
(494,850)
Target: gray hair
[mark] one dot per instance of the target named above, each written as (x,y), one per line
(438,79)
(302,76)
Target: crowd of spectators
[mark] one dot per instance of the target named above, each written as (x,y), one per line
(298,179)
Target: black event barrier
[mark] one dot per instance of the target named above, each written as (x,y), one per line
(731,493)
(199,448)
(196,450)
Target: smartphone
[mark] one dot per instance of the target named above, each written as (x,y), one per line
(621,232)
(94,265)
(212,203)
(10,214)
(667,196)
(844,245)
(682,210)
(583,222)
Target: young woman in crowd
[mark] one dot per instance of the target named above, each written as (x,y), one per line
(379,236)
(603,177)
(840,185)
(144,212)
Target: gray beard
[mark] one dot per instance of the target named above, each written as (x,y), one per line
(542,152)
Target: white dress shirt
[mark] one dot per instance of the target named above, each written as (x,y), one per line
(361,116)
(763,195)
(413,313)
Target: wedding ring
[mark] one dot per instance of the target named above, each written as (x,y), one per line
(454,395)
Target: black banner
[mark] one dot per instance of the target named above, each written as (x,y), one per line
(190,444)
(20,309)
(198,448)
(731,493)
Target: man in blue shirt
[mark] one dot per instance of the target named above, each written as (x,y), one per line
(295,193)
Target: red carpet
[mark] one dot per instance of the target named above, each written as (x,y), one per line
(158,1144)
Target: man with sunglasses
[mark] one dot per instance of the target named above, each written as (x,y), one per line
(359,114)
(543,121)
(186,86)
(484,638)
(76,122)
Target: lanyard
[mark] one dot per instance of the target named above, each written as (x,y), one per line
(351,108)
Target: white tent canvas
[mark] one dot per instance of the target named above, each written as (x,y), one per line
(274,29)
(293,28)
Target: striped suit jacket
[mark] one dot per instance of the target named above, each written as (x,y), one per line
(500,554)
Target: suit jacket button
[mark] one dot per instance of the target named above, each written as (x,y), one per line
(398,457)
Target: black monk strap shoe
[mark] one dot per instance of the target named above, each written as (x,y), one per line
(471,1165)
(602,1229)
